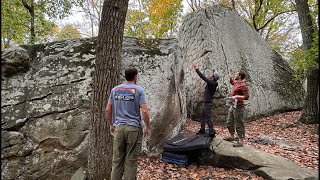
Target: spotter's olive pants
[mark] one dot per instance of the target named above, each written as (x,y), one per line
(235,121)
(126,148)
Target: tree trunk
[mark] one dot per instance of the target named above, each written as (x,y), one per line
(233,4)
(33,34)
(7,40)
(32,20)
(106,75)
(310,112)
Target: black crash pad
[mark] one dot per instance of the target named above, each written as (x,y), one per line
(187,142)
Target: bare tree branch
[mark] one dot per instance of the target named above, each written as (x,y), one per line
(256,12)
(273,17)
(25,4)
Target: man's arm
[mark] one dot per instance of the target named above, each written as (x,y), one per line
(109,116)
(202,76)
(146,119)
(196,67)
(239,97)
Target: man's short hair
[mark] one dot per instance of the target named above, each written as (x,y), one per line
(130,73)
(242,74)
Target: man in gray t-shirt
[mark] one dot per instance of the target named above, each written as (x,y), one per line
(126,100)
(124,118)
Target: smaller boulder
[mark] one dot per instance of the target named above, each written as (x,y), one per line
(266,165)
(14,60)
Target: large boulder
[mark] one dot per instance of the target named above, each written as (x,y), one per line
(217,37)
(46,110)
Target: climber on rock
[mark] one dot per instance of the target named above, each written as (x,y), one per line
(210,90)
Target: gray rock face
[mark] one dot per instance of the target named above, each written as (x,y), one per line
(45,111)
(45,104)
(218,38)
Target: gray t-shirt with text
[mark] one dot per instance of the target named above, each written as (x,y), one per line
(126,100)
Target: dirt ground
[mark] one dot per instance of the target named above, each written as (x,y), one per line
(283,126)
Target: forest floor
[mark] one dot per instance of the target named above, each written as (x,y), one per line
(284,126)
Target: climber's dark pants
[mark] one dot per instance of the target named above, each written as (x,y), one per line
(206,117)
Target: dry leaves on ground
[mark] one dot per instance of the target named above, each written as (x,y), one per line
(283,126)
(153,168)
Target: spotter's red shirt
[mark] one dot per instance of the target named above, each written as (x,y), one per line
(239,88)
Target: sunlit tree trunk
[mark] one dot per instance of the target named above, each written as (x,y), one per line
(310,112)
(7,40)
(106,75)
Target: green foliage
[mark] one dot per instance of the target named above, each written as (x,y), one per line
(163,15)
(153,19)
(68,32)
(308,59)
(55,9)
(15,24)
(136,24)
(43,28)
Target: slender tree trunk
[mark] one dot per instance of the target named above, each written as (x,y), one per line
(310,112)
(99,12)
(32,20)
(7,40)
(32,27)
(92,26)
(233,4)
(106,75)
(91,14)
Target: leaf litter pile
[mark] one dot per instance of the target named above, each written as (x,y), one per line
(302,147)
